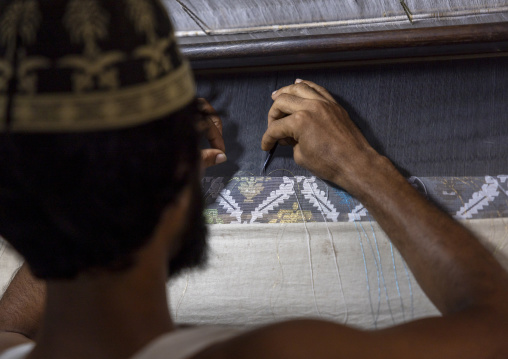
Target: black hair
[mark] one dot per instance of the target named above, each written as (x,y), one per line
(79,201)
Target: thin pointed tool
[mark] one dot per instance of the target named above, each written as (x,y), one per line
(269,157)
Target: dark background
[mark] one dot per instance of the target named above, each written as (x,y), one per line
(447,118)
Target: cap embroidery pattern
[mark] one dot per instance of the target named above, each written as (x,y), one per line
(155,51)
(101,65)
(87,23)
(21,20)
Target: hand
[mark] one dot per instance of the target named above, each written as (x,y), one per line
(213,132)
(324,139)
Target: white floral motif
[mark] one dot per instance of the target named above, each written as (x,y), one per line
(318,199)
(480,199)
(357,213)
(229,204)
(87,24)
(275,199)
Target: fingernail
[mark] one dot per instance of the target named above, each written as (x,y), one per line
(297,81)
(221,158)
(274,92)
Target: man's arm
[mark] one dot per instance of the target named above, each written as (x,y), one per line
(458,274)
(21,309)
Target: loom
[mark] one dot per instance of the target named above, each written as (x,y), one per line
(427,83)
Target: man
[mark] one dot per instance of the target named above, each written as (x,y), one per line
(99,192)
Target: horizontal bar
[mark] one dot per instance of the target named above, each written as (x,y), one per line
(375,45)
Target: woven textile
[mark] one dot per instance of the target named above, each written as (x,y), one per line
(250,200)
(74,65)
(430,119)
(224,20)
(337,264)
(345,271)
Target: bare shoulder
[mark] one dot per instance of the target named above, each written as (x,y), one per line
(292,339)
(439,337)
(9,340)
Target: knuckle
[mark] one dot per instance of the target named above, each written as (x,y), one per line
(282,97)
(301,117)
(299,158)
(300,86)
(283,90)
(315,106)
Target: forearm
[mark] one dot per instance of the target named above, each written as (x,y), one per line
(452,267)
(22,305)
(450,264)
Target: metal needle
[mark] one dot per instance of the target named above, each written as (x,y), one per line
(269,158)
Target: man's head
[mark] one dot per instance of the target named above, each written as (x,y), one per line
(98,133)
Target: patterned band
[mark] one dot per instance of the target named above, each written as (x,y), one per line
(102,111)
(88,65)
(251,200)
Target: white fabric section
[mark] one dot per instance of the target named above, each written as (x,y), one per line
(18,352)
(185,343)
(262,273)
(9,262)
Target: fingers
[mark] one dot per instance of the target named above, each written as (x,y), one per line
(296,97)
(210,112)
(305,89)
(321,90)
(287,104)
(211,157)
(282,129)
(301,89)
(212,128)
(214,136)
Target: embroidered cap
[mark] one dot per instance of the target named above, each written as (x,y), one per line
(88,65)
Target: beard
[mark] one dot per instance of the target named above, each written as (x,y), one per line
(193,251)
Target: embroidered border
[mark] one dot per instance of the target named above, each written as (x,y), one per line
(106,110)
(248,200)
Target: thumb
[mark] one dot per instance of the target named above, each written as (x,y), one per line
(212,156)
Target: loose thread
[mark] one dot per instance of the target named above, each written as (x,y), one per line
(365,266)
(281,269)
(377,272)
(197,20)
(410,288)
(309,252)
(330,237)
(381,270)
(397,283)
(181,298)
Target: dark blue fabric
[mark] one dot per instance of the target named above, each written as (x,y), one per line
(446,118)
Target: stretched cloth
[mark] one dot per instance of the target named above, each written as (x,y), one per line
(431,119)
(445,119)
(292,247)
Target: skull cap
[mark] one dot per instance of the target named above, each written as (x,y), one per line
(88,65)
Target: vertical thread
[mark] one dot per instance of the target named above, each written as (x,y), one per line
(330,237)
(309,252)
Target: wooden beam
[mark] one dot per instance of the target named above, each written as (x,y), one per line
(467,40)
